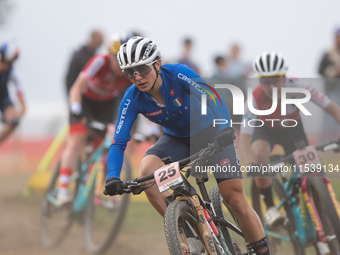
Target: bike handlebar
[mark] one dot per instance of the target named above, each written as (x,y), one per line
(182,163)
(335,145)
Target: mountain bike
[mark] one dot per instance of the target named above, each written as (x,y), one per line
(191,222)
(307,200)
(101,216)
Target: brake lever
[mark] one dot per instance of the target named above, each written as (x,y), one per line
(188,172)
(138,190)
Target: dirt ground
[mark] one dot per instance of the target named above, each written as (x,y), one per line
(19,227)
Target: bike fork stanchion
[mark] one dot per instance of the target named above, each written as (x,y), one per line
(332,194)
(312,210)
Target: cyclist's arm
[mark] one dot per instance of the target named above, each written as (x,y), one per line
(334,110)
(246,135)
(77,88)
(324,102)
(19,93)
(128,112)
(89,71)
(188,78)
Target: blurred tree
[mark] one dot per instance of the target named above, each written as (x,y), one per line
(5,8)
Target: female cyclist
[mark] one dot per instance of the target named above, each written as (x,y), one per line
(170,95)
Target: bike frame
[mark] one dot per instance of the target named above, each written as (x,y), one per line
(307,220)
(185,192)
(88,174)
(305,231)
(90,170)
(198,204)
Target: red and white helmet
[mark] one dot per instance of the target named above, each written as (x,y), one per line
(270,64)
(137,51)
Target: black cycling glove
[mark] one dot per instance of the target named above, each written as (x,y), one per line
(114,186)
(225,138)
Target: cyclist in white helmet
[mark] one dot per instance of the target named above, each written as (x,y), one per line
(10,116)
(257,143)
(170,95)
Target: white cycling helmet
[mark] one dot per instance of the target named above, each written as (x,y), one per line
(137,51)
(270,64)
(9,51)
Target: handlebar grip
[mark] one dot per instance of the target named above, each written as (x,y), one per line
(124,185)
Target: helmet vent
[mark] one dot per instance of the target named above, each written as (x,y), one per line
(268,62)
(281,64)
(275,62)
(261,64)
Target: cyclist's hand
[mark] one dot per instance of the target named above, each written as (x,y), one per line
(76,112)
(76,108)
(114,186)
(225,138)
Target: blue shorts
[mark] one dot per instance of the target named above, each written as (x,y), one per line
(224,165)
(5,101)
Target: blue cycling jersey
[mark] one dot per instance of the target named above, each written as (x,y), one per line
(181,117)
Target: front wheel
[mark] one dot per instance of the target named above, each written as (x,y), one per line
(54,221)
(327,213)
(105,214)
(287,229)
(180,214)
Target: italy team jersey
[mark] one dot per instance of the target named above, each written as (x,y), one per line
(181,116)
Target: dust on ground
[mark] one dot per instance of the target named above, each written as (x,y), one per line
(19,227)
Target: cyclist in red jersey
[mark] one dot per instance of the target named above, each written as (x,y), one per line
(256,143)
(95,94)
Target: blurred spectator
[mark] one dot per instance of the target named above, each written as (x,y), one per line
(82,56)
(185,59)
(221,65)
(136,33)
(231,70)
(236,67)
(330,69)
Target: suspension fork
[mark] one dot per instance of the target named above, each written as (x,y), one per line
(332,194)
(312,210)
(202,222)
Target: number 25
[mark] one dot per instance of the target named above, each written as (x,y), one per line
(171,172)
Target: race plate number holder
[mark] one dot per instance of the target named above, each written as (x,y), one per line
(307,156)
(168,176)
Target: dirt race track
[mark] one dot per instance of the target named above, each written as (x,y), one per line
(19,227)
(142,232)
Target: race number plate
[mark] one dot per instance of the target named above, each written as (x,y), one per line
(306,157)
(168,176)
